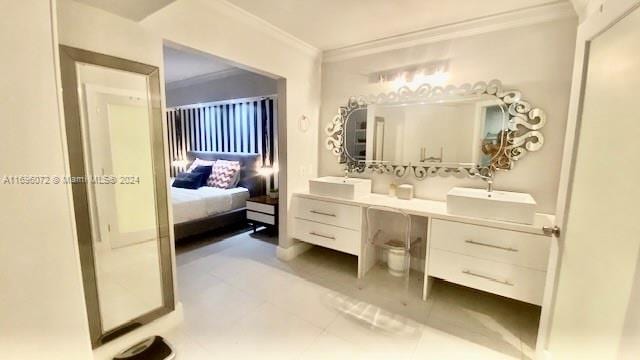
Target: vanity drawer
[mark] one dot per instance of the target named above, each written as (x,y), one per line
(332,237)
(347,216)
(511,247)
(512,281)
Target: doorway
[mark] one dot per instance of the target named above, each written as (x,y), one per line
(221,113)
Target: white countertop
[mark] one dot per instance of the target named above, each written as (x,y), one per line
(436,210)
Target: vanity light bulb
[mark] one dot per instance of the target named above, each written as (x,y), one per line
(439,78)
(400,80)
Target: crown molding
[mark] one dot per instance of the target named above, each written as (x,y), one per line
(507,20)
(203,78)
(585,8)
(269,28)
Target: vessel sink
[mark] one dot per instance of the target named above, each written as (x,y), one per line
(340,187)
(495,205)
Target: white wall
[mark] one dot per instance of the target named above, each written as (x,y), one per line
(92,29)
(218,28)
(42,310)
(43,313)
(630,341)
(535,59)
(243,85)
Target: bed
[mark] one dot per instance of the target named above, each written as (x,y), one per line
(207,208)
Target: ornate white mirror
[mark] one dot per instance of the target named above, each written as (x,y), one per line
(461,131)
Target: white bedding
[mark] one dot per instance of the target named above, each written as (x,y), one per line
(206,201)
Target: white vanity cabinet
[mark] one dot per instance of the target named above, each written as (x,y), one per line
(328,224)
(503,262)
(503,258)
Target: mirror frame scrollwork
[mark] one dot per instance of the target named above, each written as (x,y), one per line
(521,131)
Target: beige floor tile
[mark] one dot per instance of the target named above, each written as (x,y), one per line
(479,311)
(332,347)
(242,302)
(266,333)
(379,332)
(185,345)
(216,309)
(453,343)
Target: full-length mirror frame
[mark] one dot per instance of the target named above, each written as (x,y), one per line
(69,59)
(520,133)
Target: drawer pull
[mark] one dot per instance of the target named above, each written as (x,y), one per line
(504,282)
(490,245)
(322,236)
(322,213)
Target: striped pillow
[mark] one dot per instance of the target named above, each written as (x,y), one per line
(225,174)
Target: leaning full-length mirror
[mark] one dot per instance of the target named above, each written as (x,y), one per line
(114,133)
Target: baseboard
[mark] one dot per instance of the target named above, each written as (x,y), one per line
(156,327)
(286,254)
(133,237)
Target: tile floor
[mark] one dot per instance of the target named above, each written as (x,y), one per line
(241,302)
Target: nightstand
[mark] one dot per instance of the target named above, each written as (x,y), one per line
(262,210)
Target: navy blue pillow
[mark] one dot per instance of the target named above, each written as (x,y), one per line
(205,170)
(188,180)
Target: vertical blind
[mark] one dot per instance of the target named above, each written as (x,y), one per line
(243,126)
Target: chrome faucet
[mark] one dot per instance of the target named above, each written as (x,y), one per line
(488,179)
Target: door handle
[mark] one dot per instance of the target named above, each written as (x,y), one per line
(551,231)
(472,242)
(322,213)
(322,236)
(503,282)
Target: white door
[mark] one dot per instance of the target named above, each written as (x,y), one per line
(600,202)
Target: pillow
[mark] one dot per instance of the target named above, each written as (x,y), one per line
(236,180)
(188,181)
(199,162)
(205,171)
(225,174)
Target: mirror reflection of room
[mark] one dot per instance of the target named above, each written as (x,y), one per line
(452,131)
(123,215)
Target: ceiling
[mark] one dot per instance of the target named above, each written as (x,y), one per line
(131,9)
(330,24)
(181,64)
(582,6)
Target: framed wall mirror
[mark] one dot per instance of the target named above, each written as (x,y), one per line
(470,130)
(114,132)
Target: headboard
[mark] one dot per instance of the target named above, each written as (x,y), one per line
(249,164)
